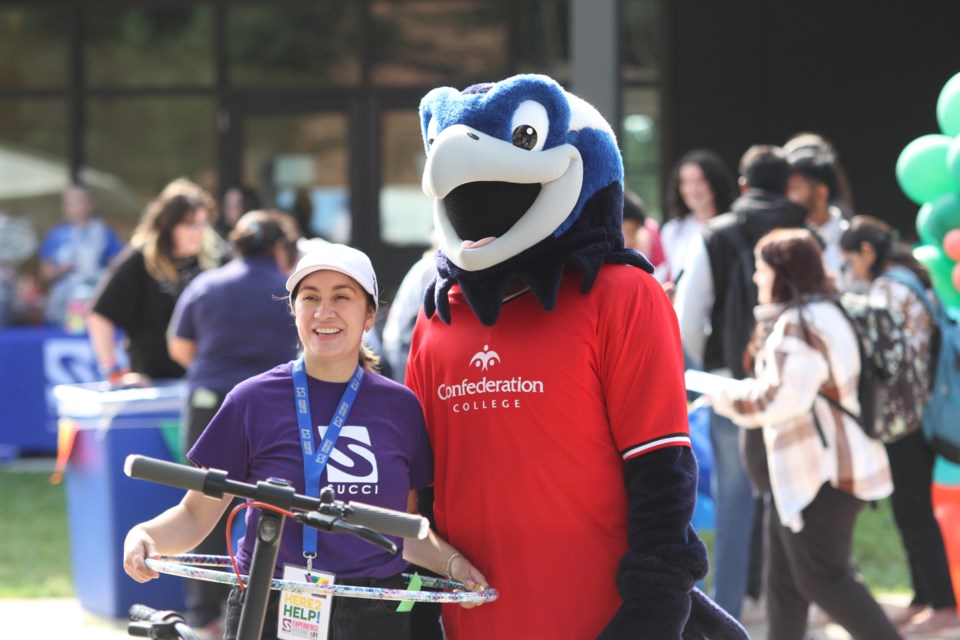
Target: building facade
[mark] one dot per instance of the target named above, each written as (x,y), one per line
(313,103)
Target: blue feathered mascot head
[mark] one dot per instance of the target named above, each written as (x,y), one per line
(527,181)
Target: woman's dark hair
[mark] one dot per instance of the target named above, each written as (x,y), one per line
(258,232)
(797,262)
(634,208)
(796,259)
(721,181)
(886,245)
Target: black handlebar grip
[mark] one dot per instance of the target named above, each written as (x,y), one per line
(141,612)
(164,472)
(387,521)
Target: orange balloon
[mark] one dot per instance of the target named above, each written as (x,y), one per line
(951,244)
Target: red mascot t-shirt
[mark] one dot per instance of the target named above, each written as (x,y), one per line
(530,421)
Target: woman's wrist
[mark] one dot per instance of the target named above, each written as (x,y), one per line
(449,570)
(113,372)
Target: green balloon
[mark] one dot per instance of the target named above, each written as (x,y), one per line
(953,160)
(948,107)
(922,168)
(936,218)
(941,272)
(925,226)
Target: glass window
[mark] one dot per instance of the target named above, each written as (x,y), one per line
(299,163)
(641,146)
(33,47)
(542,37)
(639,40)
(149,46)
(300,44)
(406,213)
(138,145)
(454,42)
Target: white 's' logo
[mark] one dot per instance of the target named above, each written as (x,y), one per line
(485,359)
(352,459)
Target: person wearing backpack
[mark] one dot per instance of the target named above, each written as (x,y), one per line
(714,303)
(822,468)
(874,255)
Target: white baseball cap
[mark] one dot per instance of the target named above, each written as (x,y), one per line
(337,257)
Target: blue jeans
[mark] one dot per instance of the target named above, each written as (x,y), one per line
(733,512)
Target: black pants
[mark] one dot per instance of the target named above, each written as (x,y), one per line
(205,601)
(813,565)
(350,618)
(911,464)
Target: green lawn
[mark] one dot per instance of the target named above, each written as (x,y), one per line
(34,547)
(35,552)
(876,550)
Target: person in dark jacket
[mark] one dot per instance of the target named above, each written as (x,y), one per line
(714,303)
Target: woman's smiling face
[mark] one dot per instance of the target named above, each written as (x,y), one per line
(332,312)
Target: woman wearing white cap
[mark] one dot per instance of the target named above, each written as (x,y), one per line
(380,456)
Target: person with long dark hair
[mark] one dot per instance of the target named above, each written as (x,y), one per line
(700,187)
(173,242)
(872,250)
(821,467)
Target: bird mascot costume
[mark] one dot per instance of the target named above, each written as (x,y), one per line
(549,365)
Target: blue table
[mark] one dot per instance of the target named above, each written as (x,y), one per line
(32,361)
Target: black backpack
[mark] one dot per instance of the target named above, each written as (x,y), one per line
(890,391)
(941,415)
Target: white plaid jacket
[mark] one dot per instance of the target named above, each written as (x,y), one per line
(793,364)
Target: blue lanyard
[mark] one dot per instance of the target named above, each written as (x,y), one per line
(313,464)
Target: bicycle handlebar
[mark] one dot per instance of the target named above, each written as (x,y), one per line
(214,483)
(147,622)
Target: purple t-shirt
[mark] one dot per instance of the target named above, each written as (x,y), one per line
(382,453)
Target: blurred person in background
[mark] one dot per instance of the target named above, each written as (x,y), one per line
(714,304)
(236,202)
(872,250)
(842,198)
(74,255)
(403,311)
(700,187)
(17,243)
(210,335)
(171,245)
(814,185)
(642,233)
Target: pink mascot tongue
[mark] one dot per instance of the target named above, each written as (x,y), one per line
(548,362)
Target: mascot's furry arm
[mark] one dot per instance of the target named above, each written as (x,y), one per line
(507,219)
(665,558)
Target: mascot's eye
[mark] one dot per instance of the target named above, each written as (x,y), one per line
(432,132)
(525,137)
(530,125)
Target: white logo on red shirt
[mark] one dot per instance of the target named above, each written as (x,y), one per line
(485,358)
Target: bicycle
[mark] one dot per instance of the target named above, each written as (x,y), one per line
(277,500)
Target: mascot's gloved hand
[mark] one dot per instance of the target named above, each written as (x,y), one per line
(657,574)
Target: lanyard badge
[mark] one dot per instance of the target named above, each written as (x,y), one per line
(314,460)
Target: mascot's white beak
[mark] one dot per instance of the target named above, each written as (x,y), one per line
(460,155)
